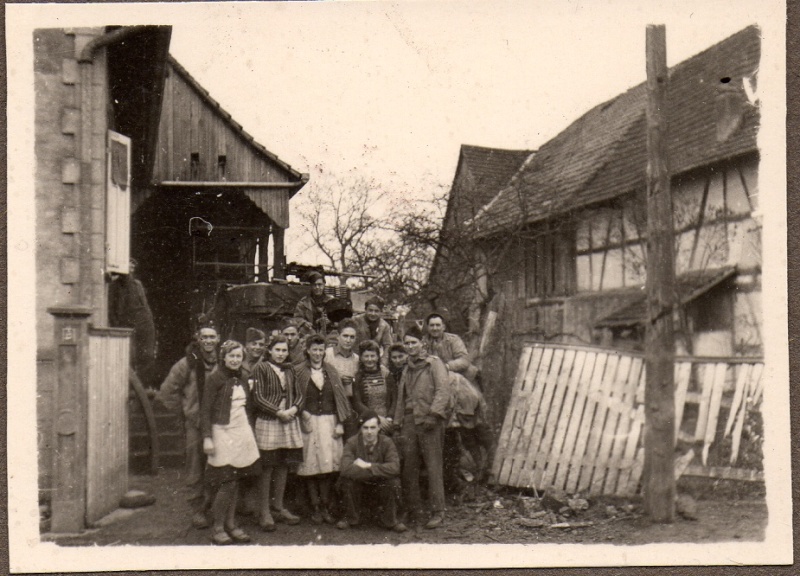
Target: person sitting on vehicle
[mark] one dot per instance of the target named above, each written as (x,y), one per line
(182,391)
(228,441)
(373,387)
(370,463)
(448,347)
(254,348)
(297,347)
(370,326)
(310,309)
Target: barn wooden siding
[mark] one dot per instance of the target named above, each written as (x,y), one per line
(576,416)
(192,123)
(107,422)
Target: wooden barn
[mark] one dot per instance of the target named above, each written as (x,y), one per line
(133,158)
(215,212)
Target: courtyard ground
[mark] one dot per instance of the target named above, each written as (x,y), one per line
(491,516)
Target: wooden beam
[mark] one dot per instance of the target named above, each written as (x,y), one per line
(279,258)
(659,434)
(206,184)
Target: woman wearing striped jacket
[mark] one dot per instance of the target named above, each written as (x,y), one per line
(278,400)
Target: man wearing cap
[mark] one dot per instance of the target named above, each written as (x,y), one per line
(449,347)
(310,310)
(370,462)
(423,406)
(182,391)
(297,348)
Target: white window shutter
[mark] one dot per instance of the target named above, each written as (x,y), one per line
(118,203)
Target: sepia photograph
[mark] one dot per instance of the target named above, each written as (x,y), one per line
(435,284)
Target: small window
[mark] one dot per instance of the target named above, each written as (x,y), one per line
(195,165)
(221,166)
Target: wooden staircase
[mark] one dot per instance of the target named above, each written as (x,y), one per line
(169,427)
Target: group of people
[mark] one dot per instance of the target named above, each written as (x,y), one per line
(353,419)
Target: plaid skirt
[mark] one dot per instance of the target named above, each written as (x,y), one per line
(274,434)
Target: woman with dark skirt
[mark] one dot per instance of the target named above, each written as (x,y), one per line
(228,441)
(325,410)
(277,400)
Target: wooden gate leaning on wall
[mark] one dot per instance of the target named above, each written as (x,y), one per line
(107,421)
(576,415)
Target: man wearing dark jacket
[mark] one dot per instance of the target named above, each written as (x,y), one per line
(370,461)
(181,392)
(423,408)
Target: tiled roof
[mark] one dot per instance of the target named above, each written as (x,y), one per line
(689,286)
(491,168)
(603,154)
(480,175)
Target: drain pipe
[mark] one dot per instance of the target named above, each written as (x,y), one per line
(87,54)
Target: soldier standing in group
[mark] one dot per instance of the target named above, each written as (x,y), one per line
(181,392)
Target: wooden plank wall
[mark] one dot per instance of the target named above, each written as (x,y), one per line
(190,124)
(576,415)
(107,425)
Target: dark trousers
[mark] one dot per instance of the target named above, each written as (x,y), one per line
(478,442)
(420,446)
(195,470)
(381,494)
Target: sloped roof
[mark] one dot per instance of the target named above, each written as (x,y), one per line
(603,154)
(235,126)
(485,171)
(690,286)
(491,168)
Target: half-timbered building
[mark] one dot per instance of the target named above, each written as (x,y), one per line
(566,237)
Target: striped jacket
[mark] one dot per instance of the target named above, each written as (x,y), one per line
(267,391)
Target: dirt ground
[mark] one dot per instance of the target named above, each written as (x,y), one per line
(492,516)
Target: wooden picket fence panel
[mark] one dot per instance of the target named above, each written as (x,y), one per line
(576,415)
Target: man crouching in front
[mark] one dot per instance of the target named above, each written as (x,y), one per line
(370,463)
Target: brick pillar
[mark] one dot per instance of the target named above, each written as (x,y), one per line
(72,343)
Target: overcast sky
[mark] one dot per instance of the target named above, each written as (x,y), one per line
(391,90)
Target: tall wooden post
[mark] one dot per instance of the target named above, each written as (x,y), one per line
(278,257)
(659,430)
(263,257)
(69,496)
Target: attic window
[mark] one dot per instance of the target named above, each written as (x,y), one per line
(195,165)
(221,165)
